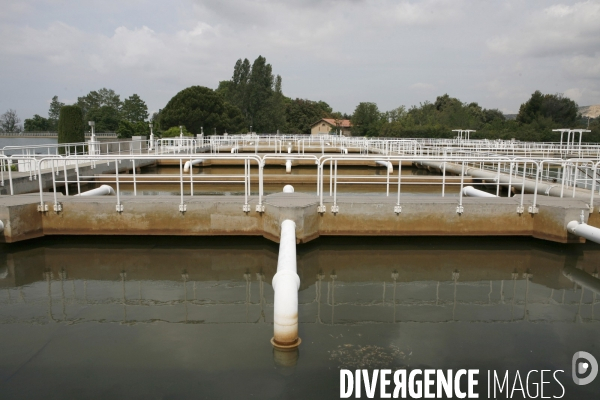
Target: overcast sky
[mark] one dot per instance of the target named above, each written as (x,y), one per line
(343,52)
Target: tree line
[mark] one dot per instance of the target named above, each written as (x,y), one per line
(536,118)
(253,100)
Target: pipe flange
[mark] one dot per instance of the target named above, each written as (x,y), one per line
(286,346)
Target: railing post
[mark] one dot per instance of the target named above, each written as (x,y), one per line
(460,209)
(10,176)
(398,208)
(119,206)
(182,206)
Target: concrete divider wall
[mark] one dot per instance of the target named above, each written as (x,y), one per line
(223,215)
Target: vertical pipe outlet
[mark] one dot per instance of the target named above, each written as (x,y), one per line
(288,167)
(387,164)
(186,167)
(286,284)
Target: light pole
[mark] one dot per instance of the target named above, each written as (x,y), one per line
(92,124)
(92,145)
(151,136)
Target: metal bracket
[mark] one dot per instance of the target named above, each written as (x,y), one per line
(335,209)
(460,210)
(397,209)
(533,210)
(321,209)
(58,207)
(42,207)
(260,208)
(519,210)
(119,208)
(182,208)
(246,207)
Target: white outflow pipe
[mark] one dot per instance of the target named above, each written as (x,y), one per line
(584,230)
(288,167)
(472,192)
(103,190)
(235,149)
(186,167)
(288,189)
(387,164)
(286,284)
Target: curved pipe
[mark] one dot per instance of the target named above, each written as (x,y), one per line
(288,167)
(584,230)
(286,284)
(235,149)
(472,192)
(103,190)
(186,167)
(387,164)
(288,189)
(583,279)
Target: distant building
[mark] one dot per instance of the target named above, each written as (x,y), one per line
(326,126)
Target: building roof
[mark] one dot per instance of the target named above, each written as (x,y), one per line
(344,123)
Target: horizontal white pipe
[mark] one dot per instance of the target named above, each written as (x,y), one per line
(472,192)
(103,190)
(288,167)
(387,164)
(186,167)
(286,284)
(584,230)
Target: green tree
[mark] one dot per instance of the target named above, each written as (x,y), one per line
(37,124)
(195,107)
(94,100)
(134,109)
(257,93)
(174,131)
(70,126)
(107,118)
(128,129)
(366,120)
(301,114)
(555,107)
(54,112)
(233,119)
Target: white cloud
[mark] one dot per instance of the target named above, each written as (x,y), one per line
(557,30)
(339,51)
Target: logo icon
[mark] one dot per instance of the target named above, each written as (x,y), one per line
(584,364)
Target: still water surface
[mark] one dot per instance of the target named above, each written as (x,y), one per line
(156,317)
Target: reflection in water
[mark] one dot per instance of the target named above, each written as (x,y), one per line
(390,303)
(353,298)
(286,360)
(421,287)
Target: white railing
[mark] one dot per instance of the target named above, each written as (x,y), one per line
(536,168)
